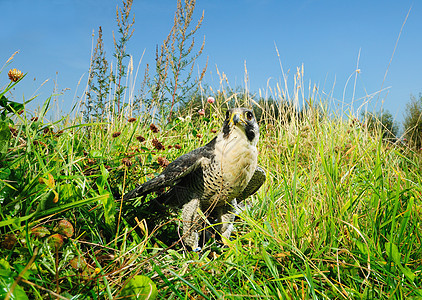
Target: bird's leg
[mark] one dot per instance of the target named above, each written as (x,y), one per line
(225,219)
(191,223)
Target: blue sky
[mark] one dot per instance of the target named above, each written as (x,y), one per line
(54,39)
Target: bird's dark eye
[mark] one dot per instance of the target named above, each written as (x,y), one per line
(227,115)
(249,115)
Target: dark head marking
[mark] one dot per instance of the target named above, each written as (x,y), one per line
(245,118)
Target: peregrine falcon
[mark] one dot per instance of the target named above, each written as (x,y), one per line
(211,179)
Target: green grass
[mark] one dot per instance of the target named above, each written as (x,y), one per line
(337,218)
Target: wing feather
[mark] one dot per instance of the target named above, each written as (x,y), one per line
(258,178)
(175,171)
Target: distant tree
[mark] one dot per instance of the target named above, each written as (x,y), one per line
(413,122)
(383,121)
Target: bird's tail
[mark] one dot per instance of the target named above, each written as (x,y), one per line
(153,211)
(156,215)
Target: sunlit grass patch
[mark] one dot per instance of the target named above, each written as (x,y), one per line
(338,216)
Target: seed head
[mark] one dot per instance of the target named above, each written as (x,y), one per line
(116,134)
(140,138)
(15,75)
(154,128)
(158,145)
(131,120)
(162,161)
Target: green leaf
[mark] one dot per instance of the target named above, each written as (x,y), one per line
(10,105)
(394,254)
(108,202)
(6,281)
(19,269)
(69,193)
(48,200)
(109,210)
(346,206)
(361,246)
(5,136)
(95,154)
(140,287)
(4,265)
(5,188)
(44,108)
(58,208)
(406,217)
(407,272)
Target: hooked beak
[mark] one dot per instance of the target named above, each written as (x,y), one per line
(236,118)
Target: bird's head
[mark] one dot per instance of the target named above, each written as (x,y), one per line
(243,120)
